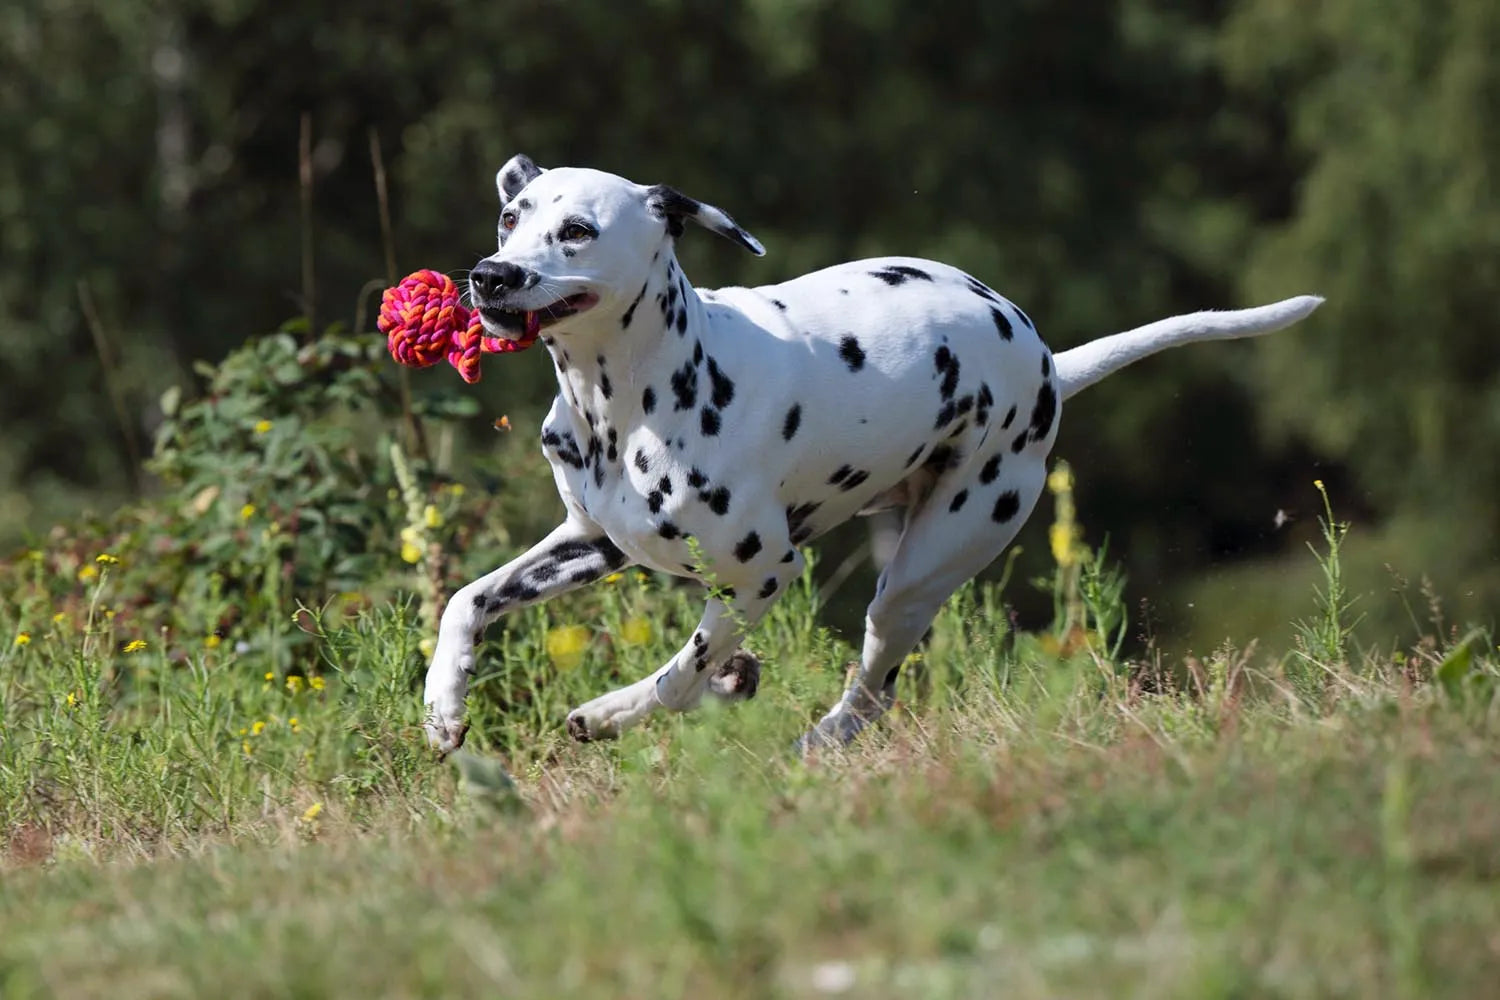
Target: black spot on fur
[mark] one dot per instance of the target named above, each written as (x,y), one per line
(779,304)
(958,501)
(681,322)
(481,603)
(854,480)
(1010,418)
(796,521)
(1020,442)
(792,422)
(685,386)
(614,451)
(517,591)
(943,458)
(723,385)
(768,588)
(851,352)
(653,501)
(839,475)
(1002,324)
(1047,365)
(1044,412)
(641,461)
(696,479)
(947,366)
(697,352)
(790,555)
(718,501)
(747,548)
(708,422)
(990,471)
(897,274)
(648,399)
(569,252)
(946,415)
(1007,506)
(665,485)
(980,289)
(667,530)
(912,458)
(605,386)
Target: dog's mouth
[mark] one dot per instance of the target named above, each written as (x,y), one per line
(526,324)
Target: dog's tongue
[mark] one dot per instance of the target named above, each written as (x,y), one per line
(533,325)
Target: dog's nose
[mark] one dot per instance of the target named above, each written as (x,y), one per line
(493,277)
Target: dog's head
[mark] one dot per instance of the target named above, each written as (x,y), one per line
(574,240)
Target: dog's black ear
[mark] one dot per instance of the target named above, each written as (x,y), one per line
(518,172)
(674,206)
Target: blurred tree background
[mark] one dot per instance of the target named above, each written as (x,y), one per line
(1102,162)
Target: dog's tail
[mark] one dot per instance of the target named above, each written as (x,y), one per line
(1083,366)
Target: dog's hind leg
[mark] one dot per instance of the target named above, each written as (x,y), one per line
(575,553)
(967,520)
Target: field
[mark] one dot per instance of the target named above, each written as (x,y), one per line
(212,785)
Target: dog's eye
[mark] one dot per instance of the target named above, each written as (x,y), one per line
(508,220)
(576,231)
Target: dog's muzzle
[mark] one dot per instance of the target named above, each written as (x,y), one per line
(492,283)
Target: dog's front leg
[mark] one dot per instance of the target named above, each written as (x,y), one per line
(575,553)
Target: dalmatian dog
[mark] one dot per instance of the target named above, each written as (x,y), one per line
(710,434)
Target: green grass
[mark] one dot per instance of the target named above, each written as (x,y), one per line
(1025,824)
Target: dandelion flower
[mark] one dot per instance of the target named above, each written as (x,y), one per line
(635,631)
(257,727)
(294,724)
(71,699)
(294,683)
(59,618)
(247,512)
(614,578)
(245,746)
(566,644)
(262,426)
(431,517)
(311,812)
(411,552)
(316,683)
(23,638)
(105,559)
(87,573)
(135,645)
(211,641)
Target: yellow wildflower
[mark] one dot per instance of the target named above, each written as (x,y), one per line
(72,699)
(427,645)
(457,489)
(1065,543)
(411,552)
(247,512)
(87,573)
(245,746)
(635,631)
(566,644)
(257,727)
(244,731)
(59,618)
(262,426)
(431,517)
(294,724)
(1060,479)
(23,638)
(109,614)
(641,577)
(135,645)
(316,683)
(105,559)
(311,812)
(614,578)
(1318,483)
(211,641)
(294,683)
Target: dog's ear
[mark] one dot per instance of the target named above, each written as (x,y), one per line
(518,172)
(674,206)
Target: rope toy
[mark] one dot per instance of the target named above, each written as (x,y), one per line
(424,322)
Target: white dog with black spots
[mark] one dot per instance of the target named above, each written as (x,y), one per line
(710,434)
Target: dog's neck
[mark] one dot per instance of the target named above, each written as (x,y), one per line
(602,358)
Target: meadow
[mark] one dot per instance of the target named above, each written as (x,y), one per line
(213,779)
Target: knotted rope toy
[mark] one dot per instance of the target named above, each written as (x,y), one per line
(424,322)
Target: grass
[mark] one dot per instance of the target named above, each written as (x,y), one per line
(1036,818)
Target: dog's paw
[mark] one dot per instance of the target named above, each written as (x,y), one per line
(607,716)
(737,679)
(444,698)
